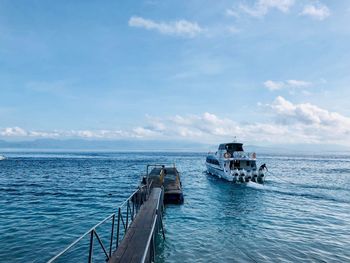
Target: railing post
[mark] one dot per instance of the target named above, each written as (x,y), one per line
(161,225)
(133,208)
(118,229)
(112,234)
(139,193)
(153,247)
(91,245)
(127,215)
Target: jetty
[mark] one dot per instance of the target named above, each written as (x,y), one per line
(138,243)
(135,224)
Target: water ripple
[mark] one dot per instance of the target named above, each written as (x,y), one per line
(299,215)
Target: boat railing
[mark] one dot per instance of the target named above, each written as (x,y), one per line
(120,222)
(244,155)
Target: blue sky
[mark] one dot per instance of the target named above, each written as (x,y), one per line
(266,71)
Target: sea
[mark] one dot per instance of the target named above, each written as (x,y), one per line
(300,214)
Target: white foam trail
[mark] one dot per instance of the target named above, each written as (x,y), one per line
(256,185)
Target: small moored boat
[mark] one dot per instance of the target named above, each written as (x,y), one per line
(167,177)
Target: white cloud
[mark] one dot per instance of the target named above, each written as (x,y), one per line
(318,11)
(308,114)
(262,7)
(21,133)
(298,83)
(86,134)
(288,84)
(43,134)
(142,132)
(13,132)
(177,28)
(309,123)
(288,123)
(274,85)
(97,134)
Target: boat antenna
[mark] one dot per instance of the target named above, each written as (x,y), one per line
(235,139)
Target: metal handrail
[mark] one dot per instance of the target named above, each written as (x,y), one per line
(150,246)
(150,238)
(119,214)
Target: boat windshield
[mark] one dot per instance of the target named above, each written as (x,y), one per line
(234,147)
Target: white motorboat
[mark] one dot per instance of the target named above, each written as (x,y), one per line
(232,163)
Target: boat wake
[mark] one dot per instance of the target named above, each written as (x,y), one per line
(2,157)
(256,185)
(296,193)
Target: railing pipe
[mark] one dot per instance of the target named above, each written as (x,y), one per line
(118,229)
(101,244)
(112,234)
(150,245)
(91,247)
(127,216)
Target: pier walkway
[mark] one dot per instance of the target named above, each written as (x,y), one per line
(134,225)
(133,231)
(138,243)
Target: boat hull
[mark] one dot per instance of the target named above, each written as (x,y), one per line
(217,171)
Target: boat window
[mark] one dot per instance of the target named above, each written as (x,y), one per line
(248,163)
(234,147)
(212,161)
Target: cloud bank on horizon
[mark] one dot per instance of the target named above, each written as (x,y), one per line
(289,123)
(271,71)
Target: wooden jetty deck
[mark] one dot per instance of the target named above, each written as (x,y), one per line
(133,247)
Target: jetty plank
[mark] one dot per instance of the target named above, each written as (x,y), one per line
(133,245)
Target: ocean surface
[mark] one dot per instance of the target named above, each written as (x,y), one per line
(300,214)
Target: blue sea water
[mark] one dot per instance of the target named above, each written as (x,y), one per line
(300,214)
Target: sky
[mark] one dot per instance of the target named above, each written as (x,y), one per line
(265,71)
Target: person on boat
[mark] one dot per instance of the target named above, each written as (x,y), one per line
(162,173)
(263,167)
(164,170)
